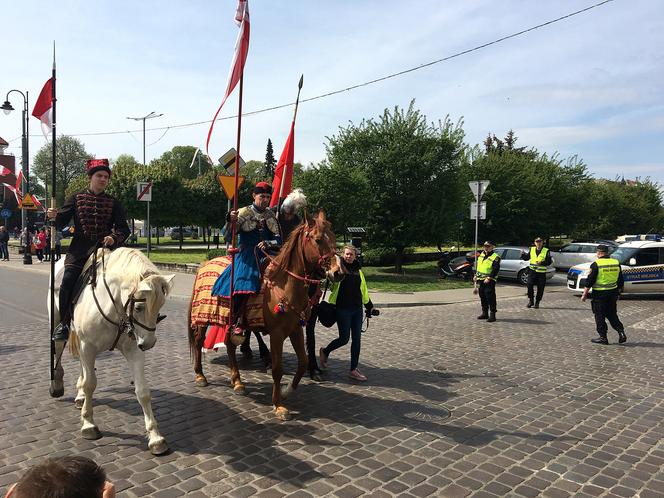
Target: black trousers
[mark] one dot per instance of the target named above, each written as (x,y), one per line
(311,340)
(536,279)
(606,308)
(488,296)
(69,278)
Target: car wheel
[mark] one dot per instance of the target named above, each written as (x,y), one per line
(522,277)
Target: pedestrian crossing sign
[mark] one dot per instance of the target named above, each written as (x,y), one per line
(28,203)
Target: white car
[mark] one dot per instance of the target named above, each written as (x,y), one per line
(642,264)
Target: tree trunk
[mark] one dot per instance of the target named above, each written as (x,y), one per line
(181,236)
(398,259)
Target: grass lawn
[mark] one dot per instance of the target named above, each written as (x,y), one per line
(415,277)
(174,255)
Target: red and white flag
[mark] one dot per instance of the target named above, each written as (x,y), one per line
(284,170)
(43,110)
(19,179)
(5,171)
(239,58)
(16,189)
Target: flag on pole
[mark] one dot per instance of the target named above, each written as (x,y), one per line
(19,179)
(5,171)
(284,170)
(43,110)
(239,58)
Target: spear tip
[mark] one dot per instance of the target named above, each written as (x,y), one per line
(299,86)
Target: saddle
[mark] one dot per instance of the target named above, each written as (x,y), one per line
(207,309)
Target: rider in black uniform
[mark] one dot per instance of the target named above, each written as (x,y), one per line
(99,220)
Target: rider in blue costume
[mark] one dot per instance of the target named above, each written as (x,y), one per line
(258,230)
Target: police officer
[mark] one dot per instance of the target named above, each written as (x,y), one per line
(488,265)
(606,281)
(99,220)
(539,258)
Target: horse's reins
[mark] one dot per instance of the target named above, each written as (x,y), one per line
(127,320)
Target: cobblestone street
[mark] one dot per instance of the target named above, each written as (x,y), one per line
(454,407)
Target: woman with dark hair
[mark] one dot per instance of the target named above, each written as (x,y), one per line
(349,295)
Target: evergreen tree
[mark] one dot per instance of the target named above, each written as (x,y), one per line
(270,162)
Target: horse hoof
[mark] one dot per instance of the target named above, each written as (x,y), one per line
(158,447)
(56,393)
(240,390)
(78,403)
(91,433)
(282,413)
(201,381)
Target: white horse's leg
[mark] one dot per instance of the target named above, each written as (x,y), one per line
(88,355)
(80,394)
(57,388)
(136,359)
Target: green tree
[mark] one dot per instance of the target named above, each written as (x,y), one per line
(70,159)
(180,158)
(410,170)
(270,161)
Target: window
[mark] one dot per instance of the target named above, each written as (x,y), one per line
(648,256)
(512,254)
(588,249)
(571,248)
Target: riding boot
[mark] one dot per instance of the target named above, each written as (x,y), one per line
(492,317)
(61,332)
(484,315)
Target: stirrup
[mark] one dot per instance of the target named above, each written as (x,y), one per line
(61,333)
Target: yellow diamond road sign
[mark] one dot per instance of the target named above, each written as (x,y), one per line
(228,184)
(228,160)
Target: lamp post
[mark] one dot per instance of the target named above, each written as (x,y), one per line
(147,116)
(7,108)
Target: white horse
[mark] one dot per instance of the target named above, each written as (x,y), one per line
(119,312)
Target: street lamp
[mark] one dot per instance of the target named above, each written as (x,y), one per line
(7,108)
(148,116)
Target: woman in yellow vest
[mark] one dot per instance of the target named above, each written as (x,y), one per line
(539,258)
(488,265)
(349,295)
(606,281)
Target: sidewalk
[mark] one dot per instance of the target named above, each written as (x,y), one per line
(184,282)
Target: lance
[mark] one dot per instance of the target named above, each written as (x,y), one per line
(52,223)
(284,171)
(233,250)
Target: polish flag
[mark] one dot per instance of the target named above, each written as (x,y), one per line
(239,58)
(5,171)
(43,110)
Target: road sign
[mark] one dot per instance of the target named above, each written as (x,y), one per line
(473,210)
(228,160)
(228,184)
(478,186)
(28,203)
(6,213)
(144,191)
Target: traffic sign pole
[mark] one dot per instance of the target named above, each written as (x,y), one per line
(478,188)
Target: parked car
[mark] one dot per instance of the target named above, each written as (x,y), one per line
(577,253)
(642,263)
(512,267)
(177,235)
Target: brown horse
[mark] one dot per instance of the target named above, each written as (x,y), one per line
(306,257)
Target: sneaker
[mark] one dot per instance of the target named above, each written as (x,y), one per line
(322,358)
(357,375)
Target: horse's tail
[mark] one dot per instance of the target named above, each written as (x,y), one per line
(74,343)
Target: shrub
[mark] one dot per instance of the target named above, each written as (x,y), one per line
(381,256)
(215,253)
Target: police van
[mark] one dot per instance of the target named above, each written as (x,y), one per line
(642,264)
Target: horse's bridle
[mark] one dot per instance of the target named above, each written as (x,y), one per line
(127,321)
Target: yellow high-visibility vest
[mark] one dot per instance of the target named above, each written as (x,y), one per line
(534,266)
(608,270)
(485,265)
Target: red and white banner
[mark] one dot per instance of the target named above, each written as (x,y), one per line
(239,58)
(5,171)
(43,110)
(284,170)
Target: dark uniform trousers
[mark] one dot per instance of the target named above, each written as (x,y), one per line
(536,279)
(605,308)
(488,296)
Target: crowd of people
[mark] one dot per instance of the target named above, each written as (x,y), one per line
(35,241)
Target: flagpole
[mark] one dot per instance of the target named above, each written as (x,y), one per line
(284,171)
(233,249)
(52,223)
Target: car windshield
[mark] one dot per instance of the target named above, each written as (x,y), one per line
(623,254)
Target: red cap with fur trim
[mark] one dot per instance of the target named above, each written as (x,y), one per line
(94,165)
(262,188)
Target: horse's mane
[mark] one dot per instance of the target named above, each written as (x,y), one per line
(282,260)
(130,263)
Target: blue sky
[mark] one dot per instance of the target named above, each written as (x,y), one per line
(589,86)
